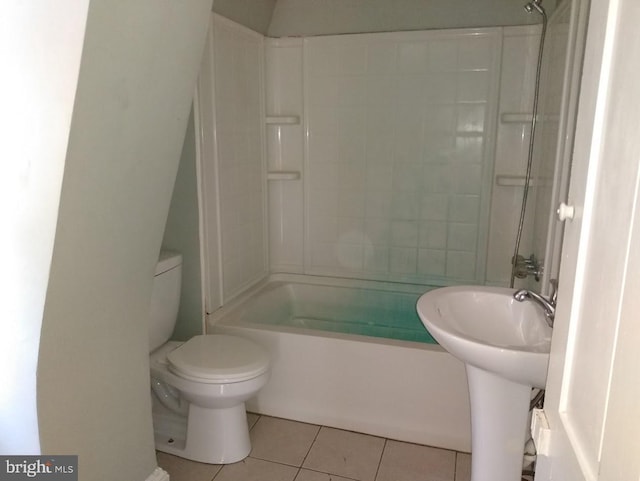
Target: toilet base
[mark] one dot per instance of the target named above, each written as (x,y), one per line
(213,436)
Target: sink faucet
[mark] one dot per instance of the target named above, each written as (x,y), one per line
(548,305)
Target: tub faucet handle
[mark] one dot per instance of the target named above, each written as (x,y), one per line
(553,298)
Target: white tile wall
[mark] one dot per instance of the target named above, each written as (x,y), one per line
(518,71)
(238,60)
(285,152)
(397,188)
(400,154)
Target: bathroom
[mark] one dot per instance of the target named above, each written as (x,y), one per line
(365,177)
(111,181)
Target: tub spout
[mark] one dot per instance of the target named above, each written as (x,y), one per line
(548,306)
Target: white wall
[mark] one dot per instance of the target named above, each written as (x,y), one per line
(326,17)
(136,82)
(40,48)
(182,235)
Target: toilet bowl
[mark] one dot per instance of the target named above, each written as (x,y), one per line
(206,383)
(199,387)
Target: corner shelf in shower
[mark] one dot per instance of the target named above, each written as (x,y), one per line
(282,120)
(516,118)
(283,175)
(518,181)
(525,118)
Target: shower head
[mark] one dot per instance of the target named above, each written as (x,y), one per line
(535,5)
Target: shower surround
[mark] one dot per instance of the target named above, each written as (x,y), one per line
(392,156)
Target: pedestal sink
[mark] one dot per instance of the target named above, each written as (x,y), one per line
(505,347)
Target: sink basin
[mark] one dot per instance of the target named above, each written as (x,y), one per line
(487,328)
(505,347)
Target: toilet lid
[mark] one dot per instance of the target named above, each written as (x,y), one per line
(218,358)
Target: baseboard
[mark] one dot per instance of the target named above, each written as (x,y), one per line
(158,474)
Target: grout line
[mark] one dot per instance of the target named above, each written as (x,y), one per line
(297,474)
(456,473)
(260,416)
(384,447)
(215,475)
(331,475)
(311,445)
(455,466)
(282,463)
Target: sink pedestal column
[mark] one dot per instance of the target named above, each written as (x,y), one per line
(499,413)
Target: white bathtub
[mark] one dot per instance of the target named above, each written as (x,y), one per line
(400,389)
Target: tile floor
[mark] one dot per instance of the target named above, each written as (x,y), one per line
(286,450)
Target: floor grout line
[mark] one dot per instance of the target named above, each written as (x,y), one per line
(330,474)
(297,474)
(384,447)
(455,466)
(311,445)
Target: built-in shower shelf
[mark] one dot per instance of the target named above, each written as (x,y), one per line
(282,120)
(516,118)
(518,181)
(525,118)
(283,175)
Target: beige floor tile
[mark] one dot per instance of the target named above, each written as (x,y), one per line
(463,467)
(181,469)
(256,470)
(412,462)
(281,440)
(307,475)
(345,453)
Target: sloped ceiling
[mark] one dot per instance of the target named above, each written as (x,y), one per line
(254,14)
(285,18)
(322,17)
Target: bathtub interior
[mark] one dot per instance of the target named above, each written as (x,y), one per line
(336,309)
(335,364)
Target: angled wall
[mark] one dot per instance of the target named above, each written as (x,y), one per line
(137,76)
(40,48)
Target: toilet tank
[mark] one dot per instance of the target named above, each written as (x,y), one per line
(165,298)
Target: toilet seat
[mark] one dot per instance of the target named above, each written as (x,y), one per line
(218,358)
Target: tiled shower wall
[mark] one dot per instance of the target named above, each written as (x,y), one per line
(383,153)
(517,83)
(400,154)
(233,176)
(396,153)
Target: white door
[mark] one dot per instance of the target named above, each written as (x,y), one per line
(592,405)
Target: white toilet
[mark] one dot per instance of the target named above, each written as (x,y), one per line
(199,387)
